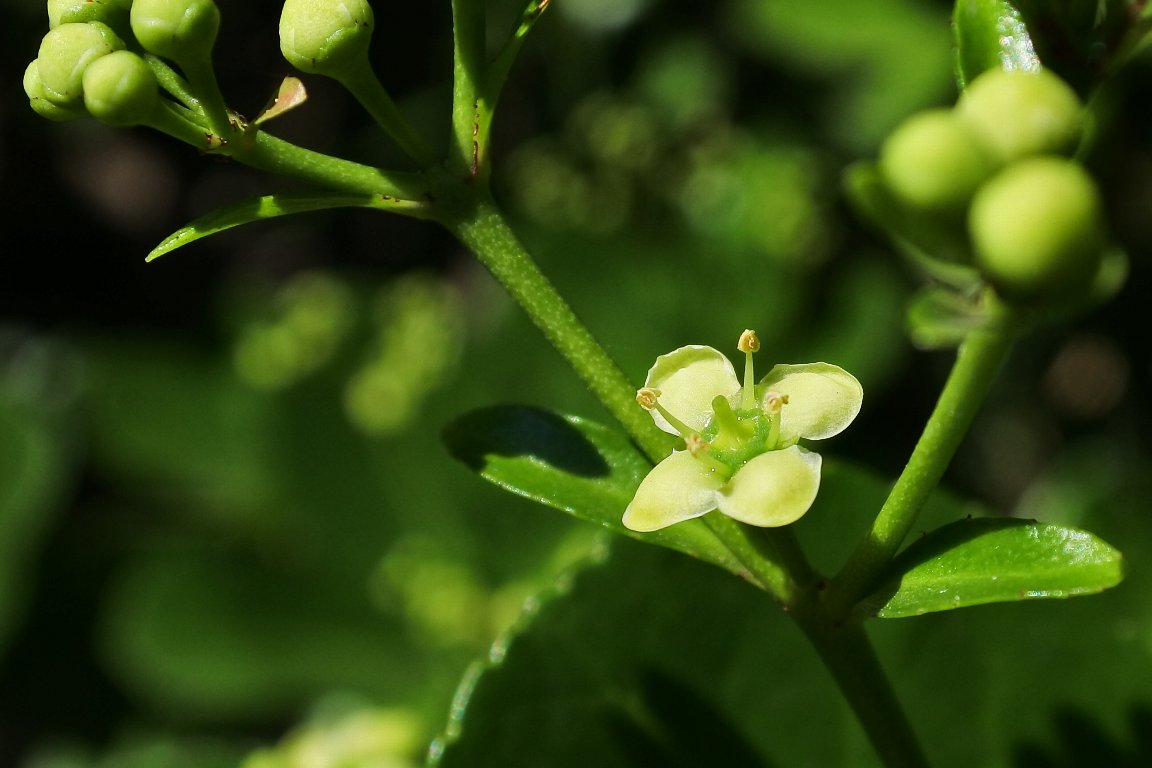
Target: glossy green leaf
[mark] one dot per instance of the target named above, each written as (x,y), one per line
(272,206)
(990,34)
(627,660)
(992,560)
(574,465)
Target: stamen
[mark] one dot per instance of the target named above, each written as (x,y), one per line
(647,397)
(748,344)
(774,402)
(695,444)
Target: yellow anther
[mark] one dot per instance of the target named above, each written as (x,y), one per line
(646,397)
(774,402)
(749,342)
(695,444)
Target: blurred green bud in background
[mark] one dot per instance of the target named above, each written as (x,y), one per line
(1023,113)
(935,161)
(1037,231)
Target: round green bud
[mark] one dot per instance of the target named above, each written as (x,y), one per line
(40,105)
(1020,113)
(935,161)
(65,52)
(327,37)
(121,89)
(178,30)
(110,12)
(1037,232)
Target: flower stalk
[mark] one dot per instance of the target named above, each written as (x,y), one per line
(973,373)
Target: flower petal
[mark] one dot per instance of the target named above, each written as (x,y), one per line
(689,379)
(823,399)
(773,489)
(678,488)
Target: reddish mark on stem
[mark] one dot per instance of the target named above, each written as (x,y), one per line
(475,170)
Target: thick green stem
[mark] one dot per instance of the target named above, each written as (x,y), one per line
(483,230)
(848,654)
(968,384)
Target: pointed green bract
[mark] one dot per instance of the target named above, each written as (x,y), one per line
(268,207)
(992,560)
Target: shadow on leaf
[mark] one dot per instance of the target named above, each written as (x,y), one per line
(672,725)
(518,431)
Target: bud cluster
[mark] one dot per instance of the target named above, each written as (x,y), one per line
(997,167)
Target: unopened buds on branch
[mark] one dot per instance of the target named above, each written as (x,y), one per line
(65,52)
(120,89)
(326,37)
(332,38)
(114,13)
(995,174)
(184,32)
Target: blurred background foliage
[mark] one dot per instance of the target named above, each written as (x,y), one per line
(229,533)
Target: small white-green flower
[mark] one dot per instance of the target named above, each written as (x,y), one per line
(741,454)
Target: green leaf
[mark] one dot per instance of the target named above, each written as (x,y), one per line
(581,674)
(272,206)
(573,465)
(991,560)
(990,34)
(646,658)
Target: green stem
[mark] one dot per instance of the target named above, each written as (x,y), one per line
(268,153)
(850,658)
(968,384)
(363,84)
(778,563)
(772,556)
(481,227)
(470,110)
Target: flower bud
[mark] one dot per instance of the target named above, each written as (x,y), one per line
(1022,113)
(40,105)
(935,161)
(1037,232)
(327,37)
(121,89)
(65,52)
(110,12)
(181,31)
